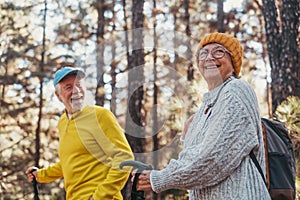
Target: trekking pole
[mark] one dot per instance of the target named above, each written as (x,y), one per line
(35,188)
(136,195)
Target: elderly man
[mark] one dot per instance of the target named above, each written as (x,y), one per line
(91,145)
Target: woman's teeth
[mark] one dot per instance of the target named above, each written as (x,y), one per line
(211,66)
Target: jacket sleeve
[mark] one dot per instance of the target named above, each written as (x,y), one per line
(115,145)
(50,173)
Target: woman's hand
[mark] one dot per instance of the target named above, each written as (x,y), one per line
(143,182)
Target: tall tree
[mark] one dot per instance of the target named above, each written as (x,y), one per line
(135,117)
(155,96)
(135,63)
(100,94)
(189,56)
(220,16)
(41,80)
(113,103)
(282,30)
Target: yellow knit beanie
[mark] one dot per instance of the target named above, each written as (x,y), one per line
(230,43)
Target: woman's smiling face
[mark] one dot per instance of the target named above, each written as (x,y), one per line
(214,63)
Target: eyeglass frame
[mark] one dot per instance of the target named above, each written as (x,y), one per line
(210,52)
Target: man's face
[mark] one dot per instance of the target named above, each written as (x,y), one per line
(71,93)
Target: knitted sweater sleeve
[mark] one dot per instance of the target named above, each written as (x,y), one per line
(230,133)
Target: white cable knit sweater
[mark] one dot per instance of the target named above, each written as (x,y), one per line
(215,163)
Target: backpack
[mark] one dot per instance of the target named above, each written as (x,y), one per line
(280,161)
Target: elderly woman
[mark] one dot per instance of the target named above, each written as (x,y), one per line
(215,161)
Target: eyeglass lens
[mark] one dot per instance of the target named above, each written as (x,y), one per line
(217,53)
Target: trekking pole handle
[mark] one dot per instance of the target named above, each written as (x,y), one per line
(34,183)
(136,165)
(136,195)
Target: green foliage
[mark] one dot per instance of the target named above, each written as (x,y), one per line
(289,112)
(175,194)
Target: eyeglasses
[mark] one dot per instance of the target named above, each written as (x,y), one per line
(217,52)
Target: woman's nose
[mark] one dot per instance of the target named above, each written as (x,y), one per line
(209,56)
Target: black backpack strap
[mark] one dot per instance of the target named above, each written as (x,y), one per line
(253,157)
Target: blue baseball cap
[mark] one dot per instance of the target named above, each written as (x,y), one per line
(63,72)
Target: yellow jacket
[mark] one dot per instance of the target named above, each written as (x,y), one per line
(91,147)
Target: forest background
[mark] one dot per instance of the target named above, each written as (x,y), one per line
(139,60)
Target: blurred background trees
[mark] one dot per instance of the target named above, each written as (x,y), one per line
(139,58)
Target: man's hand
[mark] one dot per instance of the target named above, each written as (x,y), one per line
(32,173)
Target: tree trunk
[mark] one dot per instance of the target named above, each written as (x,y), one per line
(134,117)
(282,32)
(189,56)
(41,79)
(113,103)
(127,189)
(290,48)
(155,102)
(100,94)
(221,27)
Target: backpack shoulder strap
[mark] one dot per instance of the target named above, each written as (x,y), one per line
(253,157)
(264,131)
